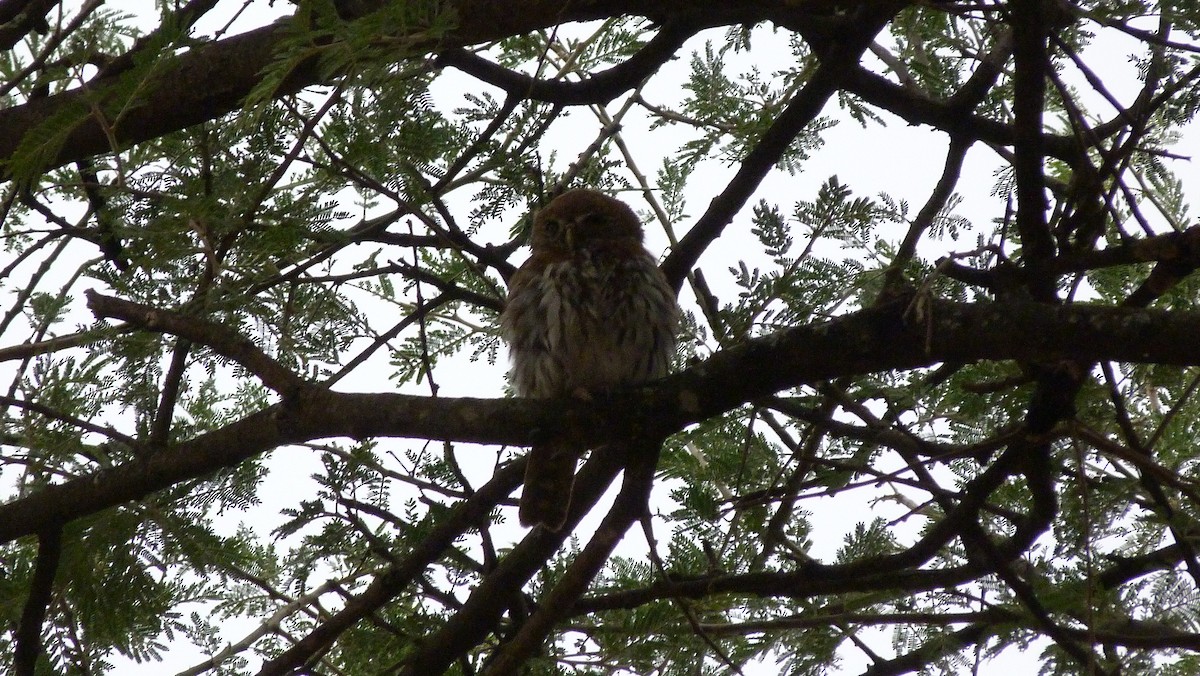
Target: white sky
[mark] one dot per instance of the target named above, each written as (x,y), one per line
(900,160)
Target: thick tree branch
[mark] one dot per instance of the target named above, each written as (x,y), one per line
(41,590)
(213,79)
(879,339)
(930,651)
(19,17)
(807,580)
(1029,84)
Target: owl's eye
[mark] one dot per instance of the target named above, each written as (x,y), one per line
(552,227)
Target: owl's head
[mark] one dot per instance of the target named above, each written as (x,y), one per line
(580,217)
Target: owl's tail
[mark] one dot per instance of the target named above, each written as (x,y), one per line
(549,477)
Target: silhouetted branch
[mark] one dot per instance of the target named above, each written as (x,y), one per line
(465,515)
(802,109)
(600,87)
(1031,64)
(41,588)
(222,339)
(631,503)
(878,339)
(215,78)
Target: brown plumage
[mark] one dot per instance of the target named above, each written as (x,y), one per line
(587,312)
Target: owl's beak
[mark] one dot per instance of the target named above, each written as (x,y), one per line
(569,234)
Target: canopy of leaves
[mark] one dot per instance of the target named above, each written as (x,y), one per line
(934,405)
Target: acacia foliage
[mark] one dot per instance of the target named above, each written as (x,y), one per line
(903,437)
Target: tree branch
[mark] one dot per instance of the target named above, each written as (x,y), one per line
(884,338)
(948,115)
(213,79)
(1029,84)
(222,339)
(802,109)
(630,504)
(494,593)
(41,589)
(600,88)
(395,579)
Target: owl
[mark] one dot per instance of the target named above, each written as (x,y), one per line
(589,311)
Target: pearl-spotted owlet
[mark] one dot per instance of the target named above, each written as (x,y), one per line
(589,311)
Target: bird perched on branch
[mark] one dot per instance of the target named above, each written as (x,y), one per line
(587,312)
